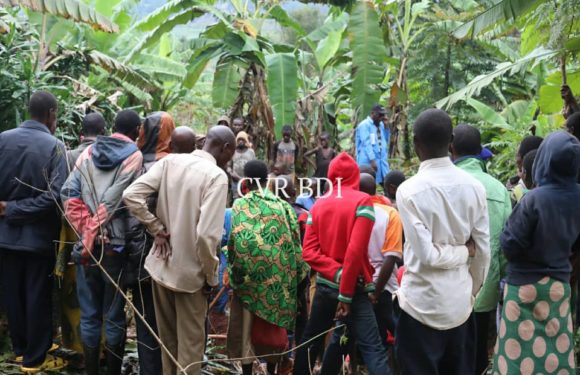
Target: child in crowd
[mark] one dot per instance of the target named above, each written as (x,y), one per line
(392,181)
(529,143)
(242,155)
(324,154)
(285,151)
(535,333)
(527,171)
(385,249)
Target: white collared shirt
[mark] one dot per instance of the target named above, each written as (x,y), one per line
(441,207)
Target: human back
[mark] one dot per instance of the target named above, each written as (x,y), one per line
(185,181)
(546,223)
(33,168)
(446,208)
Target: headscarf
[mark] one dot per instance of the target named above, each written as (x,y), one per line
(224,118)
(243,135)
(155,136)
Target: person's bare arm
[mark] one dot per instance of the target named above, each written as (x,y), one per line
(311,152)
(384,274)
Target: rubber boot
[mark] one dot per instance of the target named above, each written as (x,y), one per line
(91,359)
(115,358)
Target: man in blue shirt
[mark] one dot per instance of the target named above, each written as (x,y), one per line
(372,143)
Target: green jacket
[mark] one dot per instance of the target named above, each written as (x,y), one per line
(499,208)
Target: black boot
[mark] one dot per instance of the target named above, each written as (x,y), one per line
(115,358)
(91,360)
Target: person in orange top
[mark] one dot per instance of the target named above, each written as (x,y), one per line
(385,248)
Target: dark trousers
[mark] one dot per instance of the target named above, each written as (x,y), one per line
(101,303)
(384,316)
(423,350)
(361,325)
(27,280)
(148,348)
(482,320)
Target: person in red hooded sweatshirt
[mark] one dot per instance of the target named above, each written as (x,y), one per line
(336,247)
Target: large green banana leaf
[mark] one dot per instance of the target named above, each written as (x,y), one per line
(368,57)
(70,9)
(282,83)
(226,82)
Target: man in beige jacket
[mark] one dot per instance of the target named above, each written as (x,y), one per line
(187,226)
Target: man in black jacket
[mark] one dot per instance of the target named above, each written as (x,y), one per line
(32,171)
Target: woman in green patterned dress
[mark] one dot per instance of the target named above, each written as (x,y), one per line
(535,332)
(265,266)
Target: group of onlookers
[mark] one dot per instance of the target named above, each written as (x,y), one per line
(426,267)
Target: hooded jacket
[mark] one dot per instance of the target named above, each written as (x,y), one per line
(544,226)
(338,231)
(155,136)
(93,192)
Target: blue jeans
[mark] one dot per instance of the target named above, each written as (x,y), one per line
(101,303)
(362,327)
(220,305)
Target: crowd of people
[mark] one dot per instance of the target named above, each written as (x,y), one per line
(364,265)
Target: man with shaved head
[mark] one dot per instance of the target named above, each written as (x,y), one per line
(444,214)
(187,225)
(183,140)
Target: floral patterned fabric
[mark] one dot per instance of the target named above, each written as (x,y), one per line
(265,257)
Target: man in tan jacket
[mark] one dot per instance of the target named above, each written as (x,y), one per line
(187,226)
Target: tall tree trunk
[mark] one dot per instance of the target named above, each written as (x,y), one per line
(446,84)
(403,125)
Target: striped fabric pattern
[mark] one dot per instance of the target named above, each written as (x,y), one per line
(366,211)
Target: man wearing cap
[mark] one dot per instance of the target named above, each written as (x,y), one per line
(372,142)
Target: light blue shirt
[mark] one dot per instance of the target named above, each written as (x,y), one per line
(373,145)
(306,201)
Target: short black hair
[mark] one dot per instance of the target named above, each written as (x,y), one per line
(394,178)
(367,184)
(466,140)
(528,162)
(127,121)
(41,103)
(529,143)
(286,128)
(573,124)
(433,129)
(256,169)
(94,124)
(365,168)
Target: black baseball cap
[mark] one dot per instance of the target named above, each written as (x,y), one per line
(379,109)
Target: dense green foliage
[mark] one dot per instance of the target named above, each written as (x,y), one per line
(498,65)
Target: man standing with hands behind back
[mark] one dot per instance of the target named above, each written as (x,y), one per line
(445,219)
(192,191)
(372,143)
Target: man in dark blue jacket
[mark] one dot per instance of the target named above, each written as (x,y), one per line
(32,172)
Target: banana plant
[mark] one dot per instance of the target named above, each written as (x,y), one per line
(474,87)
(69,9)
(408,26)
(502,11)
(503,129)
